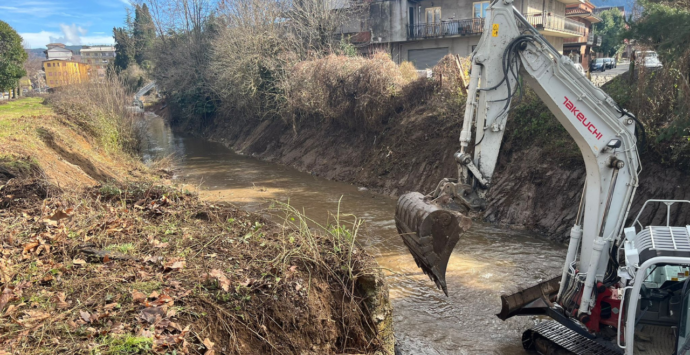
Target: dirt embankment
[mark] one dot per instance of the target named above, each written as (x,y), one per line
(533,188)
(98,255)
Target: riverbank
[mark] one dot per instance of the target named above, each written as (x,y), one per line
(101,254)
(538,180)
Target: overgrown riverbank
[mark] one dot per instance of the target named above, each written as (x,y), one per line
(101,255)
(538,179)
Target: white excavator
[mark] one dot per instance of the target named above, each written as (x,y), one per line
(623,289)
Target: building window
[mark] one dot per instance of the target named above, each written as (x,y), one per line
(433,15)
(480,9)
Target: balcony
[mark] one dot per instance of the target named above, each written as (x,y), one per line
(556,25)
(587,39)
(466,27)
(597,41)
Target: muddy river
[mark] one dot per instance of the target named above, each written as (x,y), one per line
(486,262)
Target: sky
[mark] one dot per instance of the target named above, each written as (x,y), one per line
(72,22)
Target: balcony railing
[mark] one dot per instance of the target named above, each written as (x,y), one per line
(556,23)
(466,27)
(587,38)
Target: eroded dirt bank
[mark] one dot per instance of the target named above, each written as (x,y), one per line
(534,188)
(101,255)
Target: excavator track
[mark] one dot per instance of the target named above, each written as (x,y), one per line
(553,338)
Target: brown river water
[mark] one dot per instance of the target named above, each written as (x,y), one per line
(486,262)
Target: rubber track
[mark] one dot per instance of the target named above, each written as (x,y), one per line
(570,340)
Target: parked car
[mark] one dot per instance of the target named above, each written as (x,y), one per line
(579,68)
(608,63)
(597,65)
(650,60)
(614,62)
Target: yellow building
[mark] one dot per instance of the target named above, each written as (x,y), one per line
(65,72)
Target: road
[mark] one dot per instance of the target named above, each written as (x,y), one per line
(601,78)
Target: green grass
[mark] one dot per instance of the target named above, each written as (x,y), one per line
(17,118)
(145,287)
(28,106)
(122,248)
(126,344)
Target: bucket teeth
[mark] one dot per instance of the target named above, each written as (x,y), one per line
(430,233)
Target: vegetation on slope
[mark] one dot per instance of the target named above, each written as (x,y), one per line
(98,256)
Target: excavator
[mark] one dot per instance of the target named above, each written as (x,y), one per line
(623,289)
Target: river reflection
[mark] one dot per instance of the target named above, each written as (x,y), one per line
(486,262)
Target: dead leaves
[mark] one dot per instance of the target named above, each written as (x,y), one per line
(85,316)
(209,347)
(59,214)
(11,293)
(33,318)
(174,264)
(79,262)
(138,297)
(220,277)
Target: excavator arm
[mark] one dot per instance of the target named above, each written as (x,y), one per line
(511,49)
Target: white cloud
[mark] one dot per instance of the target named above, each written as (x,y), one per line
(71,35)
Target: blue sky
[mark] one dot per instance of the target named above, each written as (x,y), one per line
(73,22)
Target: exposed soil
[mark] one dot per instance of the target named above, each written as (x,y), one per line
(93,263)
(534,189)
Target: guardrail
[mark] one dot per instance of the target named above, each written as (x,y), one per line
(465,27)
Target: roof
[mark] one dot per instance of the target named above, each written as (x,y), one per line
(98,49)
(59,49)
(584,11)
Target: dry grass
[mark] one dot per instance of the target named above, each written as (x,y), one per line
(366,93)
(151,268)
(69,154)
(100,111)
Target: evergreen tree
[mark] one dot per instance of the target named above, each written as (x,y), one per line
(12,57)
(143,32)
(125,50)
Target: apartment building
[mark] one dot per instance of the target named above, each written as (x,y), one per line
(579,49)
(65,72)
(58,51)
(98,58)
(423,31)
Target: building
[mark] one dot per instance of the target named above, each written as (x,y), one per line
(424,31)
(65,72)
(98,57)
(58,51)
(25,85)
(579,49)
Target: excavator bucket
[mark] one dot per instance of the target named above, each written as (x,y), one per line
(430,232)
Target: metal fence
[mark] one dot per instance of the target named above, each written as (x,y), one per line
(556,23)
(466,27)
